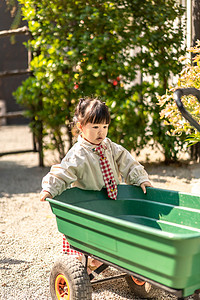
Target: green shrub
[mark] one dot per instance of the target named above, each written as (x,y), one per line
(188,77)
(100,48)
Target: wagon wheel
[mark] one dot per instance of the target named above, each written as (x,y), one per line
(196,295)
(142,289)
(69,280)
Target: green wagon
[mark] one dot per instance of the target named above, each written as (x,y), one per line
(153,237)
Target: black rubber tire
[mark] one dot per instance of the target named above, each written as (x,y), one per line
(145,291)
(196,295)
(77,278)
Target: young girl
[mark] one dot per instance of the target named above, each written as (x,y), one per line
(81,167)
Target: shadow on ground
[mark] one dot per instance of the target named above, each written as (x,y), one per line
(16,178)
(9,261)
(179,170)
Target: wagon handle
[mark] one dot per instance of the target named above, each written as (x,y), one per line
(177,97)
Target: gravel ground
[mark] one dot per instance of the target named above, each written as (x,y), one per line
(30,241)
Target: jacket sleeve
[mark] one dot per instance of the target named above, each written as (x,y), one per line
(132,171)
(62,175)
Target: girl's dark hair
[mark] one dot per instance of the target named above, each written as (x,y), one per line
(91,110)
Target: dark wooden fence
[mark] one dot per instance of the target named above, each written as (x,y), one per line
(37,144)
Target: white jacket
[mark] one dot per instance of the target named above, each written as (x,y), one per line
(81,168)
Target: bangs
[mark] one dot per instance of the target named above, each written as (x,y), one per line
(97,113)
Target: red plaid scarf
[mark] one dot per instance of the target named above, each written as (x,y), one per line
(108,176)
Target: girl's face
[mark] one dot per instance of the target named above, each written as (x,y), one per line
(94,133)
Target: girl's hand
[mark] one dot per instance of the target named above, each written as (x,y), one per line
(44,195)
(144,184)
